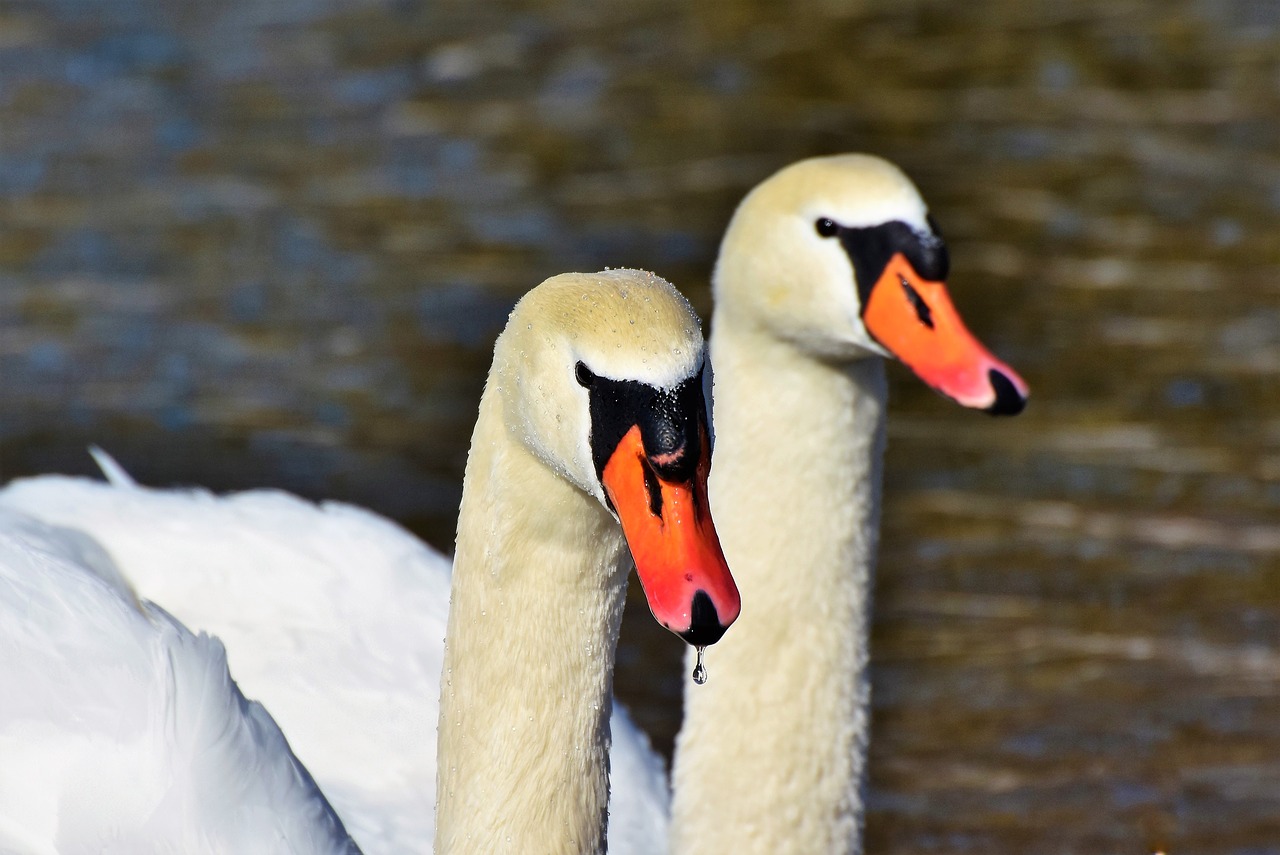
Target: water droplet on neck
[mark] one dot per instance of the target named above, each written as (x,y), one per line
(699,670)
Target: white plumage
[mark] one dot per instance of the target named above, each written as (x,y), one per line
(121,731)
(334,618)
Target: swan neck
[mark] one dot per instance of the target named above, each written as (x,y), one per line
(795,484)
(535,608)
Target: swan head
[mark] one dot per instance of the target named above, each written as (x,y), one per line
(601,377)
(839,256)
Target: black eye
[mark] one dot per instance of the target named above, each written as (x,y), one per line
(826,227)
(584,375)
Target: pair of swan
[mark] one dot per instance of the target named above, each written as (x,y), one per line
(827,264)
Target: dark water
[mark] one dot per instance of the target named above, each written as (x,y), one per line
(257,242)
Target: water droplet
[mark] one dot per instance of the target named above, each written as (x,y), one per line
(699,670)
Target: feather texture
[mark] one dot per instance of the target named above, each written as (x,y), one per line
(122,731)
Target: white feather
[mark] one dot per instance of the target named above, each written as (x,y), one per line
(123,732)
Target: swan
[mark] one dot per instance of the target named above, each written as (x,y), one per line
(826,268)
(572,429)
(592,413)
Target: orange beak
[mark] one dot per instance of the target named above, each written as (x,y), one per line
(915,320)
(673,541)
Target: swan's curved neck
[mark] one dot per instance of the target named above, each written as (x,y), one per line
(537,599)
(771,752)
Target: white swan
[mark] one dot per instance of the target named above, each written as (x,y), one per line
(334,617)
(826,267)
(571,423)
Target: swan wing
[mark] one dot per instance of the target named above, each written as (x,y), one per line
(122,731)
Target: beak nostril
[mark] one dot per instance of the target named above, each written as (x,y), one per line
(917,302)
(1009,401)
(652,487)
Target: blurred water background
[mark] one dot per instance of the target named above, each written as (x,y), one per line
(269,242)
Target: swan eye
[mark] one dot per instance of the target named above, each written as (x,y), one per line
(585,378)
(826,227)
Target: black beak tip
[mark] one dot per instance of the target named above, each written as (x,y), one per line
(704,623)
(1009,401)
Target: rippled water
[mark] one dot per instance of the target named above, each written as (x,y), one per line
(264,242)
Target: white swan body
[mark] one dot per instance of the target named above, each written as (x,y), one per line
(334,617)
(121,731)
(825,267)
